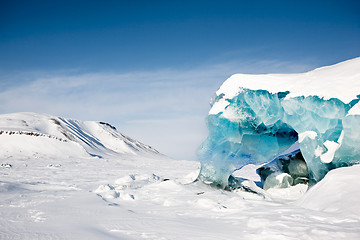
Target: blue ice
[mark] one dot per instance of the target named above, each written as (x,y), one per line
(256,126)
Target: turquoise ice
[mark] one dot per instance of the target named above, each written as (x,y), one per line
(255,126)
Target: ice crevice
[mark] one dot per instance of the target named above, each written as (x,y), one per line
(254,125)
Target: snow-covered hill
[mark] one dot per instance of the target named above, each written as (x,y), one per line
(33,135)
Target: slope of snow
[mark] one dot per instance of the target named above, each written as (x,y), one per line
(340,81)
(338,192)
(35,134)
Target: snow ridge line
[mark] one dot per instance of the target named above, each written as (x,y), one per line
(129,141)
(36,134)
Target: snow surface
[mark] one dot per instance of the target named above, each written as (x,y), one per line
(309,134)
(137,195)
(342,81)
(355,110)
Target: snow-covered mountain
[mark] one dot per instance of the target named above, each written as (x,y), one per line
(32,135)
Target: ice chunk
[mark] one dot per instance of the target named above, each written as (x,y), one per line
(282,180)
(284,171)
(249,124)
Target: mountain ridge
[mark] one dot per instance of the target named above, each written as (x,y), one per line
(95,138)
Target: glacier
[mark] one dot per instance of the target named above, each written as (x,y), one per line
(255,118)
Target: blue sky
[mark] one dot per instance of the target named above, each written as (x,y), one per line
(150,67)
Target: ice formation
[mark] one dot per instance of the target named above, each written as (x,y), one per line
(286,170)
(255,118)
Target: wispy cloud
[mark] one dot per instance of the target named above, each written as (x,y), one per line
(164,108)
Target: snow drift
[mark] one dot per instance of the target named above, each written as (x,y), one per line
(254,118)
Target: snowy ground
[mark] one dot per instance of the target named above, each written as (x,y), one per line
(153,197)
(67,179)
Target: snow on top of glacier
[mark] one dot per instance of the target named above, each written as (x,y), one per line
(340,81)
(355,110)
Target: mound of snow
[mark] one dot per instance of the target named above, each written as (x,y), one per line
(338,192)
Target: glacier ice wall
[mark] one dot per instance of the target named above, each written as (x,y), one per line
(254,126)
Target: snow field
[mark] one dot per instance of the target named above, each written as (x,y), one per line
(138,197)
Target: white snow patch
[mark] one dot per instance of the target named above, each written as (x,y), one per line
(318,151)
(291,193)
(355,110)
(219,106)
(331,147)
(248,172)
(340,81)
(310,134)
